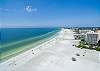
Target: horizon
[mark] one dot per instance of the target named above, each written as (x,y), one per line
(49,13)
(51,27)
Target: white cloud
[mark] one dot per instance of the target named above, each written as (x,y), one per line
(29,8)
(35,9)
(0,9)
(5,9)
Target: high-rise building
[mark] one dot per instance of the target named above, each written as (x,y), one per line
(92,38)
(98,31)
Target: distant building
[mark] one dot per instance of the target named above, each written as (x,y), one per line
(82,36)
(92,38)
(98,31)
(84,31)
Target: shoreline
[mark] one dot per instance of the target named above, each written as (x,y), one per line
(28,47)
(54,55)
(27,55)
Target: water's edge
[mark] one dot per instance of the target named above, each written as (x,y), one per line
(4,57)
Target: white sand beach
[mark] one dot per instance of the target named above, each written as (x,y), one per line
(55,55)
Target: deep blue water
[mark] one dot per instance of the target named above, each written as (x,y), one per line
(17,40)
(15,34)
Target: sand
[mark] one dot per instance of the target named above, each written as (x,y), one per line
(55,55)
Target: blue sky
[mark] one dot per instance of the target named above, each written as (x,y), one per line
(49,13)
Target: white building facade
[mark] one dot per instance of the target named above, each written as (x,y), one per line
(92,38)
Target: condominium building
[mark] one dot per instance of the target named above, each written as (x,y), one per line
(98,31)
(84,31)
(92,38)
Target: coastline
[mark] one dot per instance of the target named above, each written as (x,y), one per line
(24,57)
(53,55)
(47,36)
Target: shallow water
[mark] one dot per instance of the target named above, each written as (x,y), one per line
(14,40)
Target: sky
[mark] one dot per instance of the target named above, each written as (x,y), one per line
(50,13)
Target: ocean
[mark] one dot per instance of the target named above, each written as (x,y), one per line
(16,40)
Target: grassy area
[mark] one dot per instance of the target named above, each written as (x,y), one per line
(83,44)
(97,49)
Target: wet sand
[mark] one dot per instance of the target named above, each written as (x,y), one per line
(55,55)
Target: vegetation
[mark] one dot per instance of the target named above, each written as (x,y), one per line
(99,43)
(83,44)
(98,46)
(97,49)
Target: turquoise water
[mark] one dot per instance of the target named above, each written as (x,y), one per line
(16,34)
(16,40)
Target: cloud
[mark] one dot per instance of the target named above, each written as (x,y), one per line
(6,9)
(29,9)
(0,8)
(35,9)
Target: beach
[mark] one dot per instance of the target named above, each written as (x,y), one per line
(24,39)
(55,55)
